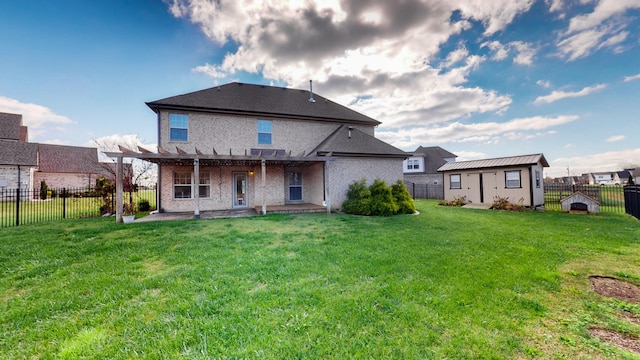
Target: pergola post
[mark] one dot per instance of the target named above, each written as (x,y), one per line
(196,193)
(119,189)
(263,165)
(327,197)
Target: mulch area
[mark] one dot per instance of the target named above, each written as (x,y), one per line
(623,291)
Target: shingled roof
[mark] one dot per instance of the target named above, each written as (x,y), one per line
(10,126)
(68,159)
(18,153)
(262,100)
(509,161)
(348,141)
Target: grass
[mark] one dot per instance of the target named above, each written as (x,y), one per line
(448,283)
(32,212)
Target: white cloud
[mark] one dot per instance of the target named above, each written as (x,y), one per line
(524,52)
(631,78)
(213,71)
(39,119)
(456,56)
(351,52)
(600,162)
(555,5)
(559,95)
(604,27)
(486,132)
(544,83)
(615,138)
(469,155)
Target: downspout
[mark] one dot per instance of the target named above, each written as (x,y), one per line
(196,193)
(263,165)
(531,185)
(159,179)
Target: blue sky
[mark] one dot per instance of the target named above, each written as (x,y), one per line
(480,79)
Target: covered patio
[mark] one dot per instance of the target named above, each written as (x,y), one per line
(252,158)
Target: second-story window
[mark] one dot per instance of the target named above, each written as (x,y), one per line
(178,127)
(264,132)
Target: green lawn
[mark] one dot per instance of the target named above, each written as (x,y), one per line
(448,283)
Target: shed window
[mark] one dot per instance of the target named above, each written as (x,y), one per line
(178,127)
(454,181)
(512,179)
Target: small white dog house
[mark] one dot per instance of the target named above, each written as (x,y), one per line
(579,203)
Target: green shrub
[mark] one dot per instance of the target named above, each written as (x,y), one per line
(44,189)
(382,201)
(143,205)
(358,199)
(403,198)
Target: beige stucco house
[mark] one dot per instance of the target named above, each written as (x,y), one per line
(518,178)
(254,146)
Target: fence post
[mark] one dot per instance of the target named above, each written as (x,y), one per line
(64,203)
(18,206)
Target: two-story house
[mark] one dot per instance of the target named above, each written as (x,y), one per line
(422,166)
(242,145)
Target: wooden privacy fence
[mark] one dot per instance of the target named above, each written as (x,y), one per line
(425,191)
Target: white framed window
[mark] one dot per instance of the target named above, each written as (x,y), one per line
(182,185)
(264,132)
(512,179)
(537,178)
(454,181)
(204,187)
(295,186)
(178,127)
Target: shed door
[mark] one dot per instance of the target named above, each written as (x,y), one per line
(474,188)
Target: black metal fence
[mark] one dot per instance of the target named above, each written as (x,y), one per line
(425,191)
(31,206)
(610,197)
(632,200)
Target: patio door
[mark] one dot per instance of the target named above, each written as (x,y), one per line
(240,190)
(295,186)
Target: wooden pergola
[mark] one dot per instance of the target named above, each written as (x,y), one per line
(181,157)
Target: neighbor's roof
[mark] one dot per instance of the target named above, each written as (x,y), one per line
(262,100)
(10,126)
(68,159)
(510,161)
(435,151)
(18,153)
(339,143)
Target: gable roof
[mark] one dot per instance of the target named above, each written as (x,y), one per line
(510,161)
(262,100)
(348,141)
(18,153)
(435,151)
(68,159)
(10,126)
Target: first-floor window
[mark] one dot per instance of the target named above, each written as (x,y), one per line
(537,178)
(182,185)
(512,179)
(295,186)
(204,189)
(454,181)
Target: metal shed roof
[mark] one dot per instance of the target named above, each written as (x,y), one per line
(510,161)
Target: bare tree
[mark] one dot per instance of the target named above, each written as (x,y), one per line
(136,172)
